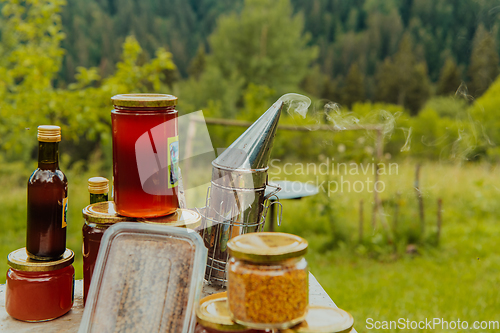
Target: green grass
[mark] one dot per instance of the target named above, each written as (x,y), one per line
(371,279)
(458,279)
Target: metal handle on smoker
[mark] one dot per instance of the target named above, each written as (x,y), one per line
(274,202)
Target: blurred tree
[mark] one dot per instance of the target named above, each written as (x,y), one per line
(30,58)
(198,63)
(354,87)
(264,45)
(449,78)
(314,82)
(483,67)
(402,80)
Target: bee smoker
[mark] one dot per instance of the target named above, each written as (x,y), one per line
(236,200)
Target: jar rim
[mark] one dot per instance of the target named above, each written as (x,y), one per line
(144,100)
(267,247)
(103,213)
(20,261)
(325,319)
(182,217)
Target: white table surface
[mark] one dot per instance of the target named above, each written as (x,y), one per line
(70,322)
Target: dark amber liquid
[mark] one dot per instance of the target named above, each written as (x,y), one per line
(133,139)
(39,296)
(46,234)
(91,242)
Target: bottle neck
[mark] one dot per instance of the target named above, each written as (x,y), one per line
(98,197)
(48,155)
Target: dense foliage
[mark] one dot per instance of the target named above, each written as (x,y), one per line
(364,33)
(395,63)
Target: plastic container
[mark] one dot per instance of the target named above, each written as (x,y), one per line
(39,290)
(98,218)
(145,154)
(183,218)
(148,278)
(213,316)
(325,319)
(268,280)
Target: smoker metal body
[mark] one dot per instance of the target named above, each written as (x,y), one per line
(236,201)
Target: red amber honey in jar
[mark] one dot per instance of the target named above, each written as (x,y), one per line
(145,154)
(98,218)
(39,290)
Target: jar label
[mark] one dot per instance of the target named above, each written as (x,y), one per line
(173,161)
(64,212)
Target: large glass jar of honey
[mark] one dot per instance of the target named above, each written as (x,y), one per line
(145,154)
(98,218)
(268,280)
(39,290)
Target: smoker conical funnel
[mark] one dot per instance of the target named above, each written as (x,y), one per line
(253,148)
(236,201)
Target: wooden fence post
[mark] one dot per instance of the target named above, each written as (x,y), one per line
(396,212)
(379,151)
(439,219)
(360,220)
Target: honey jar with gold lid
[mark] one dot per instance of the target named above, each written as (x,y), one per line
(268,280)
(145,154)
(98,217)
(39,290)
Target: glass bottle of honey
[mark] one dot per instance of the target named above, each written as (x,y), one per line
(47,200)
(98,189)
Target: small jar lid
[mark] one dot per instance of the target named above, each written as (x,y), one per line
(214,313)
(20,261)
(98,185)
(325,319)
(103,213)
(144,100)
(186,218)
(49,133)
(264,247)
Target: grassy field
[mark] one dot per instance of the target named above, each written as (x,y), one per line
(373,277)
(458,279)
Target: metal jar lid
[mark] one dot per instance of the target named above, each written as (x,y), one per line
(144,100)
(103,213)
(49,133)
(325,319)
(98,185)
(214,313)
(185,218)
(265,247)
(20,261)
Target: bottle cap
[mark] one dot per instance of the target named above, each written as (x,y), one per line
(144,100)
(49,133)
(98,185)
